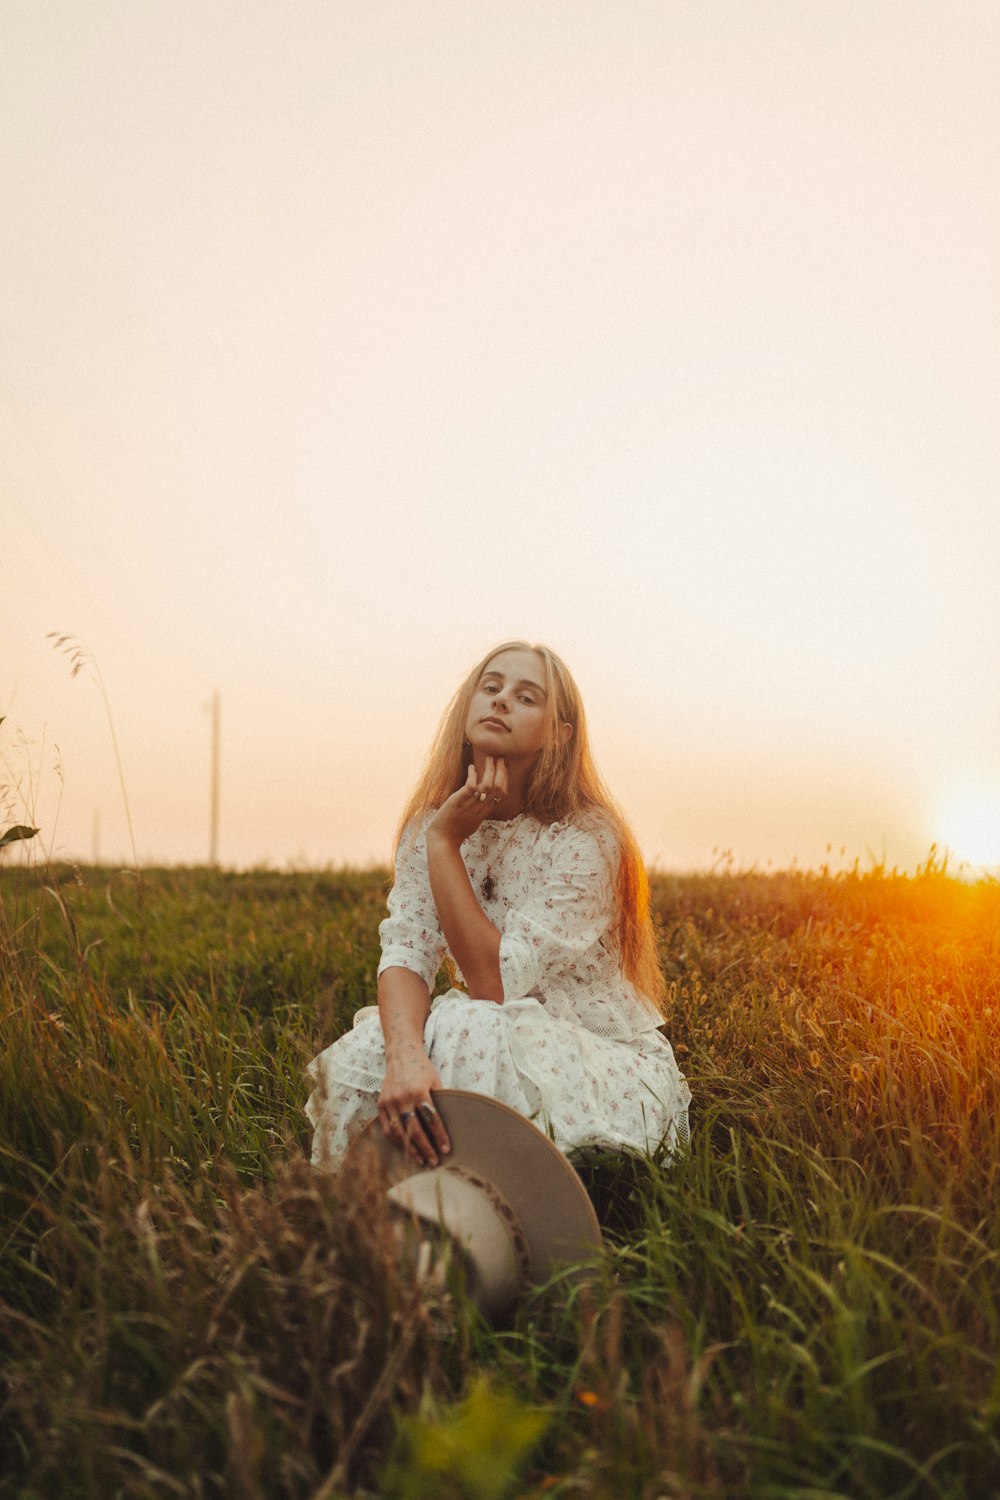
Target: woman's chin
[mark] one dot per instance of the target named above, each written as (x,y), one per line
(495,742)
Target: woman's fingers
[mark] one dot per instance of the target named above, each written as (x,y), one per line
(418,1147)
(416,1126)
(426,1138)
(492,785)
(500,780)
(419,1144)
(391,1127)
(405,1129)
(487,781)
(433,1126)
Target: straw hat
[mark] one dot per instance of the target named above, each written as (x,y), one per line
(505,1196)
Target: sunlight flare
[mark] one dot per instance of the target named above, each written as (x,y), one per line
(967,820)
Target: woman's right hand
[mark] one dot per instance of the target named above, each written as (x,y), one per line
(458,818)
(407,1111)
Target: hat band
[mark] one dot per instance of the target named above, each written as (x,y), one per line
(512,1224)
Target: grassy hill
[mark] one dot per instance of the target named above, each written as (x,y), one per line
(807,1305)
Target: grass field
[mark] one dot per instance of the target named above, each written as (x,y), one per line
(807,1305)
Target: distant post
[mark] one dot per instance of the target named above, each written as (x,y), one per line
(213,820)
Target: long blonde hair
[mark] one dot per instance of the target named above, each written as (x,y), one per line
(564,784)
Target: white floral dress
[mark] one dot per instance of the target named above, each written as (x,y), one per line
(574,1046)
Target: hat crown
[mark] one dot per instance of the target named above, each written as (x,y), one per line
(480,1224)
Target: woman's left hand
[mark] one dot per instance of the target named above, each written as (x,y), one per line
(459,817)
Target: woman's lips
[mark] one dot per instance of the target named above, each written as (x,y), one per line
(496,724)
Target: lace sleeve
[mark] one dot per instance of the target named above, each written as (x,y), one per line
(411,935)
(547,938)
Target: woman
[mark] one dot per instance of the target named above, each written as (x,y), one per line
(514,864)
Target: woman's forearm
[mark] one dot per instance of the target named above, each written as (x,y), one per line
(404,1003)
(471,936)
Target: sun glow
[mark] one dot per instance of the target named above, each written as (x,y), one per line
(967,822)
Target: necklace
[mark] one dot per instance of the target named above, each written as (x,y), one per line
(493,848)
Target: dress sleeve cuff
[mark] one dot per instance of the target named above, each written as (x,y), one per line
(407,958)
(519,964)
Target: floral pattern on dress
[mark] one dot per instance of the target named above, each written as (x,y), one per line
(574,1046)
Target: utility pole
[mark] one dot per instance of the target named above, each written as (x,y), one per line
(213,820)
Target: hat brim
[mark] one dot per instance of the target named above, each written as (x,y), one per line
(492,1141)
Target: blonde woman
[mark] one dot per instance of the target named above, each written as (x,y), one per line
(514,864)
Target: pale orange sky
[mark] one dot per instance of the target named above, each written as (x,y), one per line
(340,341)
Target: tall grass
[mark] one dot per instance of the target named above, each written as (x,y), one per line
(808,1304)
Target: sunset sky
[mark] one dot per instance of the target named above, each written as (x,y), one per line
(342,340)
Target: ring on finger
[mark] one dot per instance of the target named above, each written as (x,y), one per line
(426,1109)
(406,1115)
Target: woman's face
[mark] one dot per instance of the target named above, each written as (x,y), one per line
(507,714)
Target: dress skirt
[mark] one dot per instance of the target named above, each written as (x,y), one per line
(581,1089)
